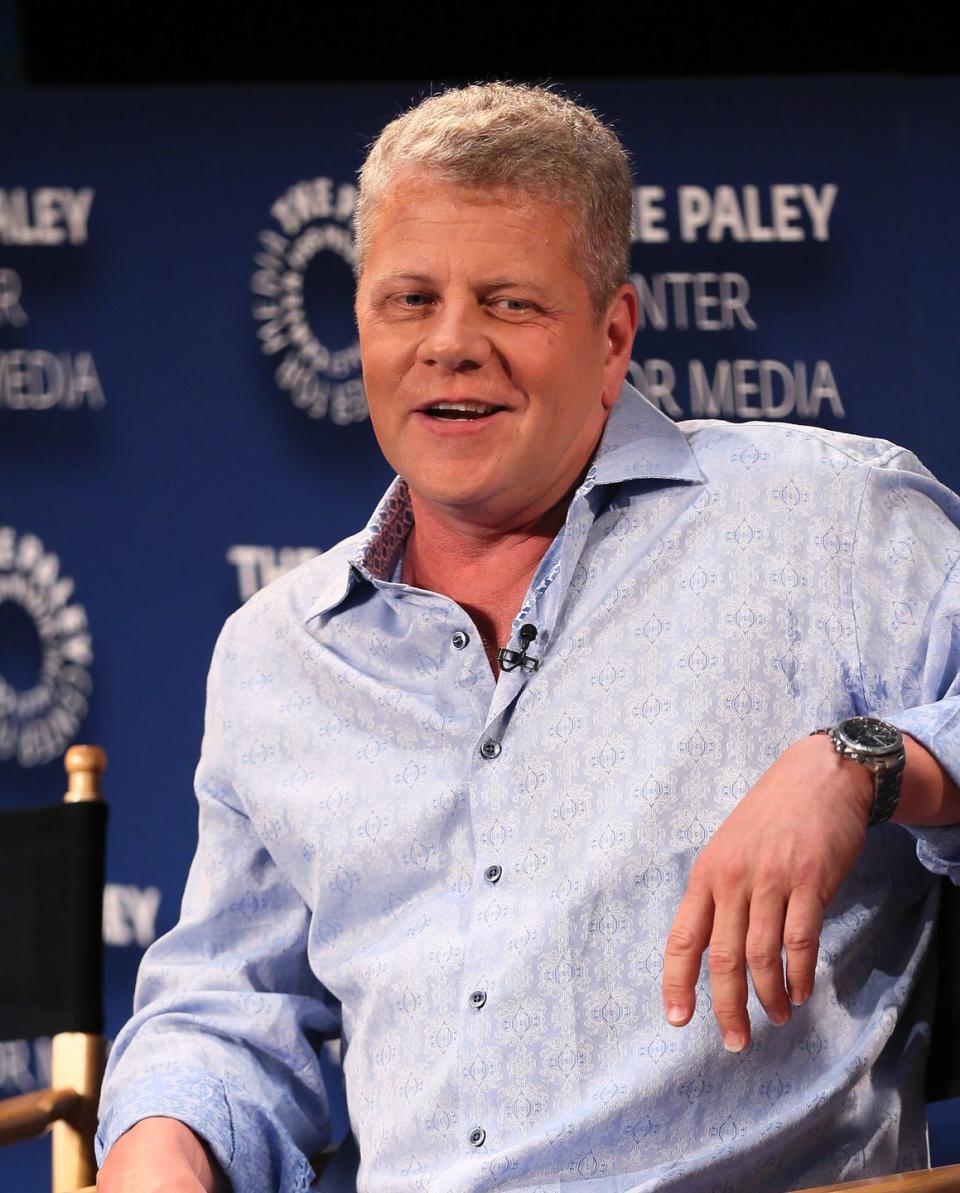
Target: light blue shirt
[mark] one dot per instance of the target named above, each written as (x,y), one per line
(473,878)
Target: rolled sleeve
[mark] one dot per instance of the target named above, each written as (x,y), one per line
(906,599)
(195,1099)
(228,1017)
(937,728)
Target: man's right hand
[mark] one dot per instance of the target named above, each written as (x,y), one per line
(160,1155)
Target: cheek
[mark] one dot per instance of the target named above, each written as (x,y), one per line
(386,357)
(577,352)
(569,365)
(381,372)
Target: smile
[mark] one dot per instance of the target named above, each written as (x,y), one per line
(461,410)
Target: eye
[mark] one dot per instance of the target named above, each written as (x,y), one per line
(514,306)
(413,300)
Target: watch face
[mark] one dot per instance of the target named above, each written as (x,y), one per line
(870,735)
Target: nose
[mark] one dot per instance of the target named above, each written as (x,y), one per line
(455,338)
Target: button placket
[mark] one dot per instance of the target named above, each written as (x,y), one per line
(489,798)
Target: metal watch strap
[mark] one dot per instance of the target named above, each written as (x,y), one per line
(887,776)
(888,779)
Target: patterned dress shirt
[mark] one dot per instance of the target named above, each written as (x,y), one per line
(471,879)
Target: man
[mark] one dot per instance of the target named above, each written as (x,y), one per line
(462,772)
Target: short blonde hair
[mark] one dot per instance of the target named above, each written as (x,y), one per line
(526,138)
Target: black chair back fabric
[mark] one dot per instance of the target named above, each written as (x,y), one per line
(943,1066)
(51,907)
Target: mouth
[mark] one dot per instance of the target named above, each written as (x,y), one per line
(462,411)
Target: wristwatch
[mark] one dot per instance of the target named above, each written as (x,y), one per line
(878,745)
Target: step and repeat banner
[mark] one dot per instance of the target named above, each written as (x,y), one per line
(182,413)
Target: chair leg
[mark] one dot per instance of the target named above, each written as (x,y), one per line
(77,1063)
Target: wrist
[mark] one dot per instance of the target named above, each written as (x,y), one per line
(851,779)
(876,746)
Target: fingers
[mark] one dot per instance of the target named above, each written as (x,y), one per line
(687,939)
(728,976)
(801,939)
(764,954)
(742,932)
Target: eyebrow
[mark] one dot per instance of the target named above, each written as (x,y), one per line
(403,276)
(522,282)
(423,279)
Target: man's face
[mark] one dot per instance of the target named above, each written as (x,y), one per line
(488,376)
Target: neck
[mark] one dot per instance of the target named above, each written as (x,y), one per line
(487,571)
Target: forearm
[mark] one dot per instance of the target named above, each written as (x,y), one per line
(929,796)
(161,1153)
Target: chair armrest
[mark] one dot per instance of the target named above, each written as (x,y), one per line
(28,1115)
(926,1180)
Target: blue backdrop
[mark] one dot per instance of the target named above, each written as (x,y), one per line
(181,411)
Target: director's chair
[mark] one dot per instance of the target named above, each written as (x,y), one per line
(51,952)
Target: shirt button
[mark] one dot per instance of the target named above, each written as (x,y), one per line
(478,998)
(477,1136)
(460,640)
(492,873)
(490,749)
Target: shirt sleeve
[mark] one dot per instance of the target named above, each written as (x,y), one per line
(906,604)
(228,1017)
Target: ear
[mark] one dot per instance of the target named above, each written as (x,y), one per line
(620,326)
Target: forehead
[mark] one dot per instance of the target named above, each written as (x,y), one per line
(422,210)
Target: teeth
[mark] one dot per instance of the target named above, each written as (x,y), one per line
(464,407)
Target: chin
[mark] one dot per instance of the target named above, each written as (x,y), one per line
(459,486)
(462,499)
(454,498)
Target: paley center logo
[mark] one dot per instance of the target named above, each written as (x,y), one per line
(304,305)
(40,718)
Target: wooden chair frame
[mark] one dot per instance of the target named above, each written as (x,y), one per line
(69,1107)
(926,1180)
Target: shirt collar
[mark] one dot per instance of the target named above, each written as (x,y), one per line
(641,443)
(370,555)
(638,443)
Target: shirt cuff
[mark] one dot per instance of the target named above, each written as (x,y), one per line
(253,1157)
(195,1099)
